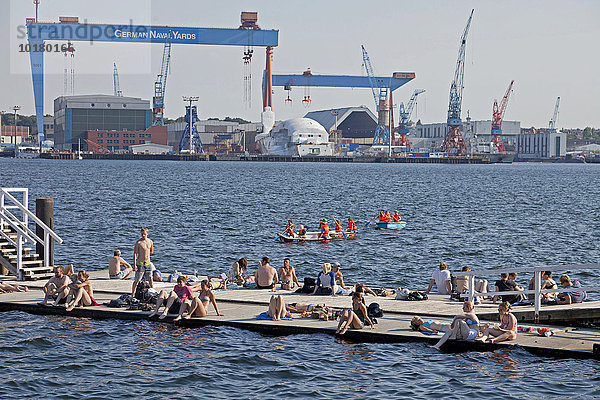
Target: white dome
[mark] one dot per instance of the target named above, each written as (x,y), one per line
(304,125)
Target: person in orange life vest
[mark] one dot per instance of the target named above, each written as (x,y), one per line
(289,229)
(351,225)
(388,218)
(381,216)
(302,231)
(324,234)
(338,225)
(396,217)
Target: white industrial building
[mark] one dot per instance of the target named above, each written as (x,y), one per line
(541,145)
(150,148)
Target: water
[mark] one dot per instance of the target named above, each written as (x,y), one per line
(205,215)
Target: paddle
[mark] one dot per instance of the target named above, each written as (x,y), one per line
(367,224)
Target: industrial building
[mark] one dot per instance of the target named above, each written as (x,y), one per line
(355,123)
(475,131)
(151,148)
(49,128)
(217,135)
(540,145)
(76,115)
(8,136)
(116,141)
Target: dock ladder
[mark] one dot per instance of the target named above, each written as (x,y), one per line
(18,241)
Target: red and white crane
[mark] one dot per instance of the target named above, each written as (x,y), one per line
(497,116)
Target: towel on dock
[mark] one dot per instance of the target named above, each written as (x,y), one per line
(264,315)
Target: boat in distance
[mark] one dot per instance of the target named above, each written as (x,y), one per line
(391,225)
(314,237)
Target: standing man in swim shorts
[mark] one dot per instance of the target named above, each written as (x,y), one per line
(142,265)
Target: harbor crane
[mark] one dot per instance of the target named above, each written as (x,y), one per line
(405,113)
(382,104)
(552,123)
(497,116)
(116,84)
(454,141)
(158,101)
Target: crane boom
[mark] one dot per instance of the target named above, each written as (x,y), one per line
(497,116)
(382,105)
(371,75)
(116,84)
(158,102)
(454,139)
(405,113)
(552,123)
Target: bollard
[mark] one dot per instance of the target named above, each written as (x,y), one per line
(44,210)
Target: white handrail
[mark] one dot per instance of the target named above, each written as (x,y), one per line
(537,273)
(26,211)
(18,230)
(25,227)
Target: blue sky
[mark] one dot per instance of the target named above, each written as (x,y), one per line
(550,49)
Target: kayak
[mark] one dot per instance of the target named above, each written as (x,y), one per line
(391,225)
(314,237)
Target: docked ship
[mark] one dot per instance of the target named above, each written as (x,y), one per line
(296,137)
(490,153)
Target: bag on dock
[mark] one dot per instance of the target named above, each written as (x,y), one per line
(417,296)
(374,311)
(309,285)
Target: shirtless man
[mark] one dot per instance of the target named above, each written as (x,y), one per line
(265,276)
(287,276)
(142,265)
(57,287)
(335,267)
(114,267)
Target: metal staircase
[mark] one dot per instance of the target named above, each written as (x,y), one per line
(18,241)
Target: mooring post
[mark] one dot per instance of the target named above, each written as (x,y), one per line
(44,210)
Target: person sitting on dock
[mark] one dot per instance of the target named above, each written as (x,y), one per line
(351,225)
(81,292)
(546,283)
(265,276)
(396,217)
(114,267)
(142,265)
(56,288)
(287,276)
(325,281)
(277,309)
(324,233)
(176,299)
(431,326)
(570,297)
(464,326)
(289,228)
(8,288)
(462,284)
(442,279)
(199,304)
(339,278)
(302,232)
(505,285)
(237,271)
(356,317)
(507,329)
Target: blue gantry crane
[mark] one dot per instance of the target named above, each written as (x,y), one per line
(158,101)
(382,135)
(405,113)
(191,114)
(454,142)
(116,84)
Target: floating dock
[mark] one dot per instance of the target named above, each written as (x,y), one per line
(240,308)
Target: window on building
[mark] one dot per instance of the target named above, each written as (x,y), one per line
(99,134)
(99,141)
(142,141)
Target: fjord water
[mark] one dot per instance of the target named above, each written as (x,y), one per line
(202,216)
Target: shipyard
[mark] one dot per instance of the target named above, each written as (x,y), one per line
(306,200)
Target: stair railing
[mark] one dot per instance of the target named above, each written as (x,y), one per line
(24,233)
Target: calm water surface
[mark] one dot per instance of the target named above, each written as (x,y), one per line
(203,216)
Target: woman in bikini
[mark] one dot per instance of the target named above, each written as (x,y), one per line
(507,329)
(81,292)
(464,326)
(430,326)
(356,317)
(199,305)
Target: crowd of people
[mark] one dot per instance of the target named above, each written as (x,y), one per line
(323,229)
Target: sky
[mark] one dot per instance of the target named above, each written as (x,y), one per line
(550,48)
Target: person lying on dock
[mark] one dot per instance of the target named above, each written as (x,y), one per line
(174,300)
(299,308)
(570,297)
(463,327)
(220,281)
(8,288)
(442,280)
(431,326)
(325,281)
(81,292)
(56,288)
(277,309)
(375,291)
(265,276)
(356,317)
(507,329)
(114,267)
(198,307)
(287,276)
